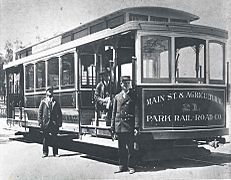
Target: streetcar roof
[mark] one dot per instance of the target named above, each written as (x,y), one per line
(159,12)
(163,12)
(126,26)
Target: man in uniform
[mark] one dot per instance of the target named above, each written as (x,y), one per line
(50,119)
(102,96)
(125,124)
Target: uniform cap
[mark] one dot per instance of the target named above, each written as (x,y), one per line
(104,72)
(49,88)
(125,78)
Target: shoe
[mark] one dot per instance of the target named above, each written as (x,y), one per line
(121,170)
(132,171)
(56,155)
(44,155)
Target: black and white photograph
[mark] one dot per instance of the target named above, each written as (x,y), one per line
(126,89)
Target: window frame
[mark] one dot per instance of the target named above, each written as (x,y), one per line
(193,80)
(152,80)
(88,86)
(64,86)
(215,81)
(27,89)
(48,84)
(138,17)
(44,87)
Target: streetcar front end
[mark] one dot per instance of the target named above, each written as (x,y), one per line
(182,82)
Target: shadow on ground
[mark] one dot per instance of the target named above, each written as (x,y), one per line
(109,155)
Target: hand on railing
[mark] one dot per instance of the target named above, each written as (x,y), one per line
(136,132)
(113,135)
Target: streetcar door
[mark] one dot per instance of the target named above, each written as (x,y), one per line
(125,62)
(87,85)
(15,100)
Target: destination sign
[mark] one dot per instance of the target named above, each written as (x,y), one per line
(177,108)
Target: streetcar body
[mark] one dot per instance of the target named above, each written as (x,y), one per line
(178,70)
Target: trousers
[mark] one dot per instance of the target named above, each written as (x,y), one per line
(50,138)
(126,150)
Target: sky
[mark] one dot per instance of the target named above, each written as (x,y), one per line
(31,21)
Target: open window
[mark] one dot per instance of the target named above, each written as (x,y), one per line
(190,60)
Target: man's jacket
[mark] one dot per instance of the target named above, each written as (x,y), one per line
(49,114)
(124,113)
(101,92)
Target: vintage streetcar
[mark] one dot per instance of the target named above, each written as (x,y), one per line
(178,70)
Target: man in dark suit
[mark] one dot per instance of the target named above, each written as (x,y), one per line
(50,119)
(125,124)
(102,96)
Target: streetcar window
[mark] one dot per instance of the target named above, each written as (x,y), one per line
(11,83)
(23,54)
(178,20)
(190,60)
(137,17)
(67,70)
(116,21)
(14,79)
(66,39)
(29,52)
(53,72)
(81,33)
(98,27)
(155,59)
(158,19)
(216,60)
(88,72)
(16,83)
(29,77)
(40,75)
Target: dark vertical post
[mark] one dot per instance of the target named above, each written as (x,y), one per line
(119,78)
(13,102)
(4,93)
(78,89)
(133,70)
(92,84)
(115,56)
(200,73)
(197,60)
(228,85)
(176,68)
(111,66)
(7,94)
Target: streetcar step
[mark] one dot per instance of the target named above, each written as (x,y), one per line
(69,135)
(94,126)
(97,141)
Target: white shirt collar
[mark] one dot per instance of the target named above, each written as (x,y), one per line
(124,94)
(49,98)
